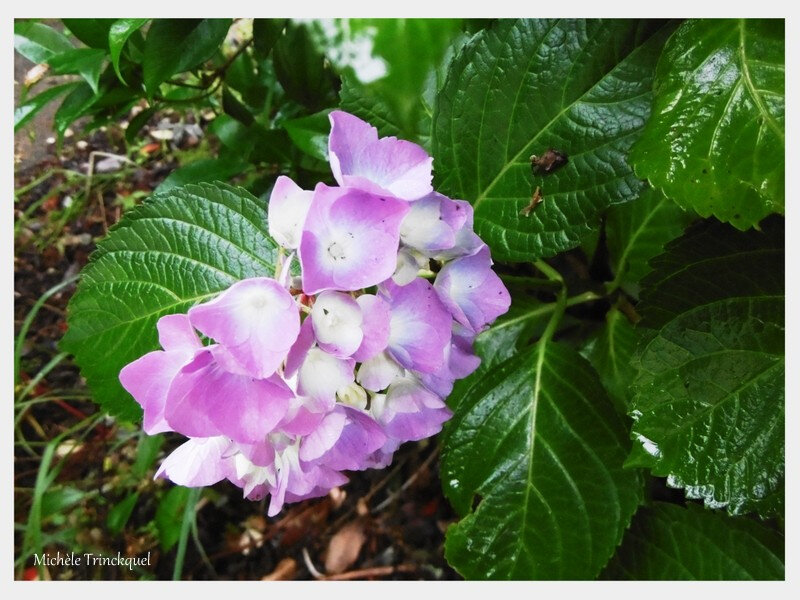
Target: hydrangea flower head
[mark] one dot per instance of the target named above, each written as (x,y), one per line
(282,384)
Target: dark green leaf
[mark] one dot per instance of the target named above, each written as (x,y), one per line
(205,169)
(59,498)
(235,108)
(310,134)
(715,143)
(637,231)
(77,104)
(265,34)
(118,35)
(537,443)
(582,87)
(137,122)
(120,513)
(708,400)
(169,516)
(177,45)
(38,42)
(86,62)
(610,354)
(302,70)
(146,453)
(92,32)
(25,112)
(353,99)
(669,542)
(173,251)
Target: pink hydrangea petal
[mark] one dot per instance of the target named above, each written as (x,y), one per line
(147,379)
(350,239)
(420,325)
(460,361)
(322,374)
(360,437)
(375,324)
(287,210)
(297,353)
(322,439)
(205,400)
(473,293)
(376,373)
(305,414)
(432,222)
(256,320)
(387,165)
(195,463)
(337,321)
(175,332)
(411,412)
(261,454)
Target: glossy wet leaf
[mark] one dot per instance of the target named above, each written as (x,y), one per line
(92,32)
(610,353)
(310,134)
(715,143)
(25,112)
(637,231)
(177,249)
(709,396)
(86,62)
(537,445)
(38,42)
(582,87)
(176,45)
(118,35)
(75,105)
(671,542)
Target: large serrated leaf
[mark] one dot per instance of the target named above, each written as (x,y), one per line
(709,395)
(715,142)
(610,353)
(537,443)
(669,542)
(637,231)
(582,87)
(175,250)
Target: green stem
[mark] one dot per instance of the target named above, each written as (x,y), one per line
(186,526)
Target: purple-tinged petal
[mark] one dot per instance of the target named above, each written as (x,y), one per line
(376,319)
(337,322)
(322,439)
(305,414)
(205,400)
(358,439)
(432,223)
(147,379)
(472,292)
(287,210)
(253,479)
(420,325)
(297,353)
(409,262)
(387,165)
(378,372)
(175,332)
(256,320)
(459,362)
(198,462)
(350,239)
(261,454)
(467,241)
(322,374)
(409,411)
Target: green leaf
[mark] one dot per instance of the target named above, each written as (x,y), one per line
(708,403)
(169,516)
(637,231)
(59,498)
(310,134)
(715,142)
(86,62)
(302,70)
(137,122)
(38,42)
(265,33)
(146,454)
(25,112)
(92,32)
(176,45)
(118,35)
(120,513)
(77,104)
(669,542)
(235,107)
(205,169)
(175,250)
(610,353)
(582,87)
(537,444)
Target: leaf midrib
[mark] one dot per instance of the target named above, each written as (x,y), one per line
(751,88)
